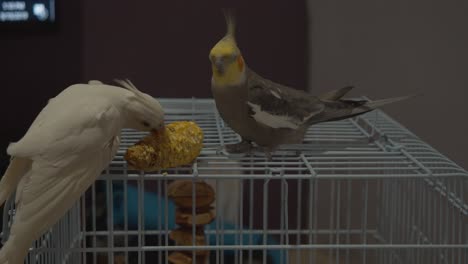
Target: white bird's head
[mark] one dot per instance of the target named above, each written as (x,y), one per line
(144,113)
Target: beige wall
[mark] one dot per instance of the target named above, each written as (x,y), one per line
(396,47)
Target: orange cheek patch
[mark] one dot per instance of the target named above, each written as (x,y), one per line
(240,63)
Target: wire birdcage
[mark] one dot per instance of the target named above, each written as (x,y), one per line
(361,190)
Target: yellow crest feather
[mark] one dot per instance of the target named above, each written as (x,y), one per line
(227,45)
(230,22)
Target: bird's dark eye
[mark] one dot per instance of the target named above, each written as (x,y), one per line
(231,57)
(146,124)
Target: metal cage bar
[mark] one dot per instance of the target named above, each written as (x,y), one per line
(362,190)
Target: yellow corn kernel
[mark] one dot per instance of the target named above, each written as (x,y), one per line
(178,144)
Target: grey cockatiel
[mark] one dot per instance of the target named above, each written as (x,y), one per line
(66,148)
(268,113)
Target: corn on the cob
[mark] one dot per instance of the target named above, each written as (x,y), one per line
(179,143)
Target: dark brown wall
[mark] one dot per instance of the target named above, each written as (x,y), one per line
(35,66)
(164,48)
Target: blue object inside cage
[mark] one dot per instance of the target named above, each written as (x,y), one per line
(155,219)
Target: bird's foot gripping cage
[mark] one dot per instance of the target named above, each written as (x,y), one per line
(362,190)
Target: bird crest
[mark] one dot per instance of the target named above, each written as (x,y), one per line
(227,45)
(141,97)
(127,84)
(230,23)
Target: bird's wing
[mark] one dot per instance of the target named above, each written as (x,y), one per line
(335,94)
(278,106)
(64,128)
(58,130)
(51,188)
(69,144)
(48,192)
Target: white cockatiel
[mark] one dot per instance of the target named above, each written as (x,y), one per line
(72,140)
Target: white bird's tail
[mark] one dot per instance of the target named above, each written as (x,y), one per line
(14,251)
(16,170)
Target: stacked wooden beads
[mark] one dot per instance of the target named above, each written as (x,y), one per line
(187,201)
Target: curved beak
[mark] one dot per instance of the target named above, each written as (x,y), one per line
(158,129)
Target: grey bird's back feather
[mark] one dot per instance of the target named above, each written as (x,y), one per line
(279,106)
(273,103)
(335,94)
(343,109)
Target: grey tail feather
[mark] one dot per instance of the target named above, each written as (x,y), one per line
(362,106)
(335,94)
(382,102)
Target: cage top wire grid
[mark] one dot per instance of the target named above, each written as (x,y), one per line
(370,146)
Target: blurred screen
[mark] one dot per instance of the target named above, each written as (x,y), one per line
(37,11)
